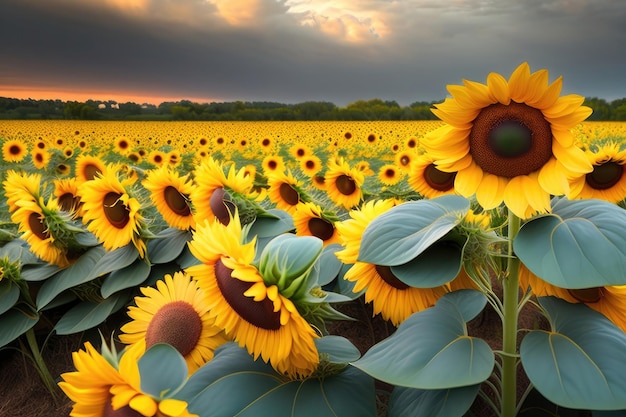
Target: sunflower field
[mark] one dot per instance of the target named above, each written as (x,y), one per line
(225,254)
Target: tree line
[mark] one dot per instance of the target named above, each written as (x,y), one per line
(374,109)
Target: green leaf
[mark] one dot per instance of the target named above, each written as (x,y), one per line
(411,402)
(14,324)
(431,349)
(328,264)
(131,276)
(338,348)
(77,273)
(278,222)
(162,370)
(9,294)
(38,272)
(88,314)
(581,363)
(437,265)
(114,260)
(167,245)
(403,232)
(580,245)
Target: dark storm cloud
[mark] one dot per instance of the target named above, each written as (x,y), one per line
(192,49)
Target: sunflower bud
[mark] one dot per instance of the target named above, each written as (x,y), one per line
(287,261)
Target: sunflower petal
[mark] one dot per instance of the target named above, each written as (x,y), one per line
(468,180)
(549,96)
(572,158)
(490,192)
(552,178)
(498,88)
(515,197)
(518,82)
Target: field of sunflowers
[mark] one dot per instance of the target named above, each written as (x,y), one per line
(229,247)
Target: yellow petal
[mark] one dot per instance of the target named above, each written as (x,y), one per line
(466,99)
(564,105)
(537,84)
(553,178)
(498,88)
(490,192)
(479,93)
(518,82)
(467,180)
(515,197)
(564,136)
(572,119)
(536,196)
(549,96)
(144,405)
(172,407)
(572,158)
(576,186)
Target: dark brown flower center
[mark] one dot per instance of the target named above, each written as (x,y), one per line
(69,202)
(176,323)
(288,194)
(320,180)
(389,173)
(91,171)
(510,140)
(15,150)
(587,295)
(272,164)
(37,226)
(176,201)
(386,275)
(345,184)
(439,180)
(321,228)
(605,176)
(258,313)
(310,164)
(221,206)
(115,210)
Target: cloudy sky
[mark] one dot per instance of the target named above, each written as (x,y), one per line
(292,51)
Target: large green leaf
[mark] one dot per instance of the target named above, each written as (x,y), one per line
(403,232)
(582,363)
(337,349)
(131,276)
(438,264)
(77,273)
(581,244)
(88,314)
(14,323)
(431,349)
(273,223)
(114,260)
(9,294)
(167,245)
(38,272)
(162,370)
(328,265)
(411,402)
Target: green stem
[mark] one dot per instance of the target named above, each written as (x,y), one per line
(40,364)
(509,325)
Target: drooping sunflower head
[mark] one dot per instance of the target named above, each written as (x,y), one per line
(21,186)
(286,191)
(170,193)
(89,167)
(428,180)
(607,180)
(343,183)
(66,193)
(175,312)
(510,140)
(312,220)
(14,150)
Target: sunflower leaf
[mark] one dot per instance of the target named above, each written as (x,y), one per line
(14,324)
(438,264)
(411,402)
(167,245)
(403,232)
(580,364)
(162,371)
(9,294)
(580,245)
(38,272)
(113,260)
(446,358)
(88,314)
(131,276)
(338,348)
(275,223)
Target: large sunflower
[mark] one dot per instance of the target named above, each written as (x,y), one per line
(286,191)
(609,300)
(170,194)
(112,213)
(510,140)
(343,183)
(88,167)
(607,181)
(311,220)
(392,298)
(255,315)
(428,180)
(14,150)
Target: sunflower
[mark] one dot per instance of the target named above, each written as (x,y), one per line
(310,165)
(510,141)
(88,386)
(66,193)
(403,159)
(68,152)
(63,169)
(88,167)
(19,187)
(609,300)
(388,174)
(311,220)
(343,184)
(607,181)
(14,151)
(300,151)
(255,315)
(111,212)
(174,158)
(273,163)
(170,194)
(122,145)
(412,142)
(319,182)
(428,180)
(175,312)
(157,157)
(40,158)
(392,298)
(286,191)
(266,144)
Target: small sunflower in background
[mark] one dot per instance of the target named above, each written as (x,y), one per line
(174,312)
(122,145)
(343,183)
(311,220)
(510,141)
(40,159)
(428,180)
(389,174)
(170,193)
(310,165)
(273,163)
(403,159)
(607,180)
(89,167)
(254,314)
(112,212)
(286,191)
(390,297)
(157,158)
(300,151)
(14,151)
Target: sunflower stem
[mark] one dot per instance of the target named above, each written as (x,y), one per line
(509,325)
(40,364)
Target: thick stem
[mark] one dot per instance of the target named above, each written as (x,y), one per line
(509,325)
(40,364)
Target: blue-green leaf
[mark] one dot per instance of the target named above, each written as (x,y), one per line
(403,232)
(276,222)
(131,276)
(438,264)
(431,349)
(581,364)
(38,272)
(9,294)
(14,324)
(167,245)
(328,264)
(162,370)
(77,273)
(411,402)
(580,245)
(337,349)
(114,260)
(88,314)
